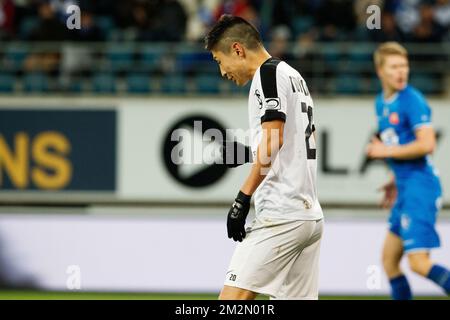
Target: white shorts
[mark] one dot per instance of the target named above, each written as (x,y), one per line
(278,258)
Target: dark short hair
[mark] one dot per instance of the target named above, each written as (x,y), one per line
(232,29)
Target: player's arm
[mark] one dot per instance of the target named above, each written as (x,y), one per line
(424,144)
(235,153)
(271,142)
(389,193)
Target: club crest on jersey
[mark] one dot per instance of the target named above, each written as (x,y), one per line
(394,118)
(273,103)
(258,97)
(405,221)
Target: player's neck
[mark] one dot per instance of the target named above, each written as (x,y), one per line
(257,59)
(389,93)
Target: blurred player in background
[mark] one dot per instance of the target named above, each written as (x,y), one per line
(278,255)
(407,141)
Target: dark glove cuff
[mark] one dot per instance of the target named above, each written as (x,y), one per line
(242,197)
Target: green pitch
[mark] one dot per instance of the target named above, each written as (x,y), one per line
(46,295)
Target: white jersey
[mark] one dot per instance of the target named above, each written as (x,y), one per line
(278,91)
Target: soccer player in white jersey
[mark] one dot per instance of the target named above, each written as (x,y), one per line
(278,254)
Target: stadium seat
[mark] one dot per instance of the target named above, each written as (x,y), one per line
(206,64)
(119,57)
(15,56)
(348,84)
(6,83)
(185,62)
(104,83)
(360,53)
(173,83)
(190,58)
(208,83)
(138,83)
(302,24)
(332,55)
(361,33)
(238,90)
(106,25)
(427,83)
(150,57)
(36,82)
(373,85)
(75,86)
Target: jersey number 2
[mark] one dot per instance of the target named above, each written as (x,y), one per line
(310,153)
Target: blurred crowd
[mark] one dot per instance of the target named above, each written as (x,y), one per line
(179,20)
(312,35)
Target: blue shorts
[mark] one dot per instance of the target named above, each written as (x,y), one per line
(414,214)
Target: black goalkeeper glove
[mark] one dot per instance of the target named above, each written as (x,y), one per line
(235,154)
(237,215)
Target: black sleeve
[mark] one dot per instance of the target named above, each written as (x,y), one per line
(268,74)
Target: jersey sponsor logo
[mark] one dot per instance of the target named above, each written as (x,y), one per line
(405,222)
(273,103)
(394,118)
(258,97)
(390,137)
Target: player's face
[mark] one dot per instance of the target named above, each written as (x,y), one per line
(232,66)
(394,72)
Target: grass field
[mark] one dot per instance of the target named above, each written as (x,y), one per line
(45,295)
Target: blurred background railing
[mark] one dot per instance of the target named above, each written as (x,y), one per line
(186,68)
(155,46)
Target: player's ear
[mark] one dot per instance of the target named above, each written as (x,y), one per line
(238,49)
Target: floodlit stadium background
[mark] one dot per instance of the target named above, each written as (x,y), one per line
(91,206)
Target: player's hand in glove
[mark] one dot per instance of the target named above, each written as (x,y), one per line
(235,153)
(237,215)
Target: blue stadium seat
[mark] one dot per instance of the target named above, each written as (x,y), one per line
(138,83)
(373,85)
(119,57)
(185,61)
(174,83)
(36,82)
(104,83)
(190,59)
(6,83)
(427,83)
(238,90)
(208,83)
(106,25)
(331,54)
(359,58)
(302,24)
(361,33)
(15,56)
(150,57)
(75,86)
(348,84)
